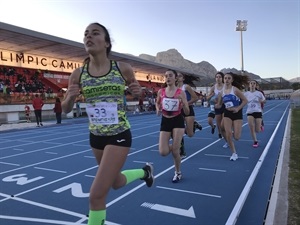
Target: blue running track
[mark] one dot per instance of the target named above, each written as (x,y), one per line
(46,173)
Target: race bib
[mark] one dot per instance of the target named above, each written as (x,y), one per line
(254,106)
(170,104)
(103,113)
(212,107)
(228,104)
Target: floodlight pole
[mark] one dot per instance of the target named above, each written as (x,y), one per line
(241,25)
(242,52)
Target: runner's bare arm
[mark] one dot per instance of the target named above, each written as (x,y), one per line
(128,74)
(72,92)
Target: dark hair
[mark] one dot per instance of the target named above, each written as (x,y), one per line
(222,74)
(163,85)
(239,81)
(107,39)
(57,99)
(190,79)
(174,71)
(257,85)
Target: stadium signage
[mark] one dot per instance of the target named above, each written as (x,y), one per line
(17,59)
(150,77)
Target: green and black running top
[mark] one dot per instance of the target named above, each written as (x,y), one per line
(104,97)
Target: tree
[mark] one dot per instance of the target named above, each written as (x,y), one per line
(296,86)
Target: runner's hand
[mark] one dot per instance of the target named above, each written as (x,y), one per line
(134,88)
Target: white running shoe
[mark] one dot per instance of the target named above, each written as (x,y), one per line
(225,145)
(177,177)
(234,157)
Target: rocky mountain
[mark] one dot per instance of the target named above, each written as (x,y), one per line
(252,76)
(204,69)
(173,58)
(295,80)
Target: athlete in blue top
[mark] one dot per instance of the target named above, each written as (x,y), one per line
(190,122)
(234,100)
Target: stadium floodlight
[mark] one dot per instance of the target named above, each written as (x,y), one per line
(241,25)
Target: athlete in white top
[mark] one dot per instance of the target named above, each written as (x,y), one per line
(254,110)
(218,113)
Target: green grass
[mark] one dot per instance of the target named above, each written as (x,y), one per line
(294,171)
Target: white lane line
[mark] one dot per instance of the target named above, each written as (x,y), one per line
(11,164)
(52,143)
(153,136)
(189,192)
(232,219)
(214,155)
(58,171)
(82,145)
(18,149)
(214,170)
(134,189)
(39,221)
(141,150)
(52,182)
(203,138)
(53,208)
(143,127)
(39,163)
(52,153)
(246,140)
(80,221)
(4,141)
(39,150)
(158,175)
(276,190)
(226,156)
(49,140)
(89,176)
(143,162)
(140,136)
(58,146)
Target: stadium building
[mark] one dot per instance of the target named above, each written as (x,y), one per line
(33,62)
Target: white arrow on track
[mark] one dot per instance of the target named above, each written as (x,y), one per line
(168,209)
(46,221)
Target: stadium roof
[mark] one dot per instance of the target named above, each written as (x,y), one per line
(274,80)
(28,41)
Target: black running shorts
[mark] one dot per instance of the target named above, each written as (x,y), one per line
(168,124)
(256,115)
(233,116)
(123,139)
(192,112)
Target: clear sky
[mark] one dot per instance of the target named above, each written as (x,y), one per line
(200,30)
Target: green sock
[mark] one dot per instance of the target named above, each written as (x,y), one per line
(97,217)
(132,175)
